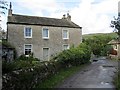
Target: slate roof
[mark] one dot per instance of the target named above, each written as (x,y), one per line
(43,21)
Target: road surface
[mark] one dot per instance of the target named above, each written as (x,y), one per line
(99,74)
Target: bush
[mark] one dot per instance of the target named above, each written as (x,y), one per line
(21,63)
(25,78)
(74,56)
(98,43)
(117,80)
(30,58)
(8,67)
(26,73)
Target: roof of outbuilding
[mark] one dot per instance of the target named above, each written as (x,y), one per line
(112,42)
(44,21)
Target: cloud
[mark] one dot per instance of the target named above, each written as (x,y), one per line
(38,6)
(2,22)
(93,15)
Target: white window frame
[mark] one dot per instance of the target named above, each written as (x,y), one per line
(63,34)
(67,45)
(42,33)
(31,48)
(25,33)
(48,53)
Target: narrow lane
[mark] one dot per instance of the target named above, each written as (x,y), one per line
(97,75)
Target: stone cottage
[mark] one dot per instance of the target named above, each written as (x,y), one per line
(116,48)
(42,36)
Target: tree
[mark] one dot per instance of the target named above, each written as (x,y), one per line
(3,6)
(98,44)
(116,25)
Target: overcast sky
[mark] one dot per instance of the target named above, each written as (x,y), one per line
(93,15)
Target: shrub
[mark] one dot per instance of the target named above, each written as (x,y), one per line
(117,80)
(25,78)
(8,67)
(74,56)
(21,63)
(30,58)
(26,72)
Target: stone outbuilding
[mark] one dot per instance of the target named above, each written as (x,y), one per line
(116,48)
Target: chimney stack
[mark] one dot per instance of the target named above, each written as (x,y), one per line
(10,10)
(119,8)
(68,17)
(64,17)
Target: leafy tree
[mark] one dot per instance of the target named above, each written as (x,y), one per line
(98,44)
(3,6)
(116,25)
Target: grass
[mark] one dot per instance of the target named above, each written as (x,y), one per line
(117,81)
(117,78)
(112,35)
(58,78)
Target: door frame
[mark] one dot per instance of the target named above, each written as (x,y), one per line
(48,53)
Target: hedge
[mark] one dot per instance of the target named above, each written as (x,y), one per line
(27,74)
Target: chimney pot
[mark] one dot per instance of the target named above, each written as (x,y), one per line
(64,17)
(10,10)
(68,17)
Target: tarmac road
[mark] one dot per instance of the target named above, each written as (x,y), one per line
(99,74)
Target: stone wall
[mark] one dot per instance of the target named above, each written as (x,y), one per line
(119,51)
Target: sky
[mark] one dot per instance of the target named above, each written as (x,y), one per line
(94,16)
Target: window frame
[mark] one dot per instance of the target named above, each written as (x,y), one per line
(25,32)
(25,48)
(67,48)
(43,35)
(63,34)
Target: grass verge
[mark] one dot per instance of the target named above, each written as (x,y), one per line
(117,81)
(60,77)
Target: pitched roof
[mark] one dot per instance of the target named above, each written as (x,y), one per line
(112,42)
(44,21)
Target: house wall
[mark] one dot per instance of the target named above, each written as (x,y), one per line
(55,41)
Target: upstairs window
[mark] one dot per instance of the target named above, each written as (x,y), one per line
(28,32)
(27,49)
(65,34)
(45,33)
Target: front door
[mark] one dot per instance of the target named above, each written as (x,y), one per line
(45,54)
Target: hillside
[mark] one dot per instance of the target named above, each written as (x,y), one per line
(112,35)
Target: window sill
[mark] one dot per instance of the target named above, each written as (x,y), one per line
(27,37)
(27,55)
(65,38)
(45,38)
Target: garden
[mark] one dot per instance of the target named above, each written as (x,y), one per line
(26,73)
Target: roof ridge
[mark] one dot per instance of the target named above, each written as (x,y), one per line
(35,16)
(45,21)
